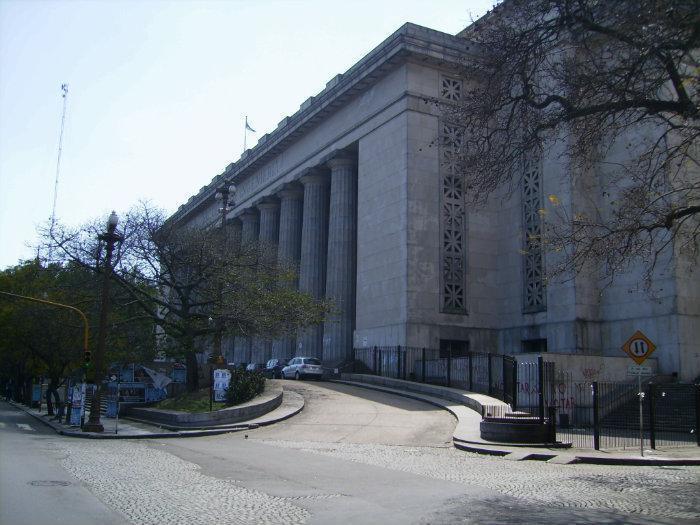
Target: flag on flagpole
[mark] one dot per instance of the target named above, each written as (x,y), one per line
(247,126)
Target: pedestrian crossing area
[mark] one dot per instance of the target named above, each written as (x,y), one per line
(21,426)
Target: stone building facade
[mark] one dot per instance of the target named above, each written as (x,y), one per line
(359,187)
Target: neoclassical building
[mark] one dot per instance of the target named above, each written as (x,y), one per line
(358,189)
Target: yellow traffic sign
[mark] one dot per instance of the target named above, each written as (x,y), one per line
(639,347)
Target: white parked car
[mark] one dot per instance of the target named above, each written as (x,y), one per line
(302,368)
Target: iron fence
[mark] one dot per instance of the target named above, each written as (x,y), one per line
(487,373)
(607,415)
(600,415)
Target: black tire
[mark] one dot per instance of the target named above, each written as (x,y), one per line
(297,376)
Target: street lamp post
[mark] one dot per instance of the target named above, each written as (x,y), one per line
(110,237)
(224,193)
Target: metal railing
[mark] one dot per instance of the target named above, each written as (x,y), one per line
(606,415)
(487,373)
(588,415)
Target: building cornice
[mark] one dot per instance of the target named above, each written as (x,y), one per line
(409,41)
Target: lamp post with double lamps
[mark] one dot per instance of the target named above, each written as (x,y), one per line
(110,238)
(225,194)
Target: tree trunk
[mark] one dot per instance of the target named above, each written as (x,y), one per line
(192,371)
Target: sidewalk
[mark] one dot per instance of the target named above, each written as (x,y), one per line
(125,428)
(467,435)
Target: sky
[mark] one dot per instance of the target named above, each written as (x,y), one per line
(158,92)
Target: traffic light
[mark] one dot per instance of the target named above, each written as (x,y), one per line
(87,356)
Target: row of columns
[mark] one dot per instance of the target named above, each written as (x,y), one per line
(312,222)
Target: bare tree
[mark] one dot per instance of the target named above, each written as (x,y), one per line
(195,283)
(615,84)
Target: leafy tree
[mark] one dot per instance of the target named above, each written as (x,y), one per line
(614,85)
(196,283)
(46,340)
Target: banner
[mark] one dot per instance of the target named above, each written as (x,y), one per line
(222,379)
(77,401)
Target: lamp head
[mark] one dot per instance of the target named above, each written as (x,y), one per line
(113,220)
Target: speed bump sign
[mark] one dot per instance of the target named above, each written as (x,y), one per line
(639,347)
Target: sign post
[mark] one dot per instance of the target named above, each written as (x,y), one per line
(116,422)
(639,347)
(222,379)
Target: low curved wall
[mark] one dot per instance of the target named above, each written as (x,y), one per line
(472,400)
(514,431)
(262,404)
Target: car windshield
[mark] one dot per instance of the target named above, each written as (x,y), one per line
(312,361)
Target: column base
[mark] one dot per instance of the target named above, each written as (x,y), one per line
(93,427)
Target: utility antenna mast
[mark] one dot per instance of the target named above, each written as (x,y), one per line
(64,94)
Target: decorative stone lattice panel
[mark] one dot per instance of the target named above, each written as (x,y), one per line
(453,222)
(534,291)
(450,89)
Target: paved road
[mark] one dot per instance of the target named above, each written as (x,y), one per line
(336,463)
(34,486)
(337,413)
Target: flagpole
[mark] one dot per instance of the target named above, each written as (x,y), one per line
(245,133)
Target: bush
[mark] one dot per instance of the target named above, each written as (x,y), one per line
(244,386)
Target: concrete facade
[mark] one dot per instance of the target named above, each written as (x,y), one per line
(354,188)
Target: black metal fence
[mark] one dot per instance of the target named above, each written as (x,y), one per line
(488,373)
(588,415)
(607,415)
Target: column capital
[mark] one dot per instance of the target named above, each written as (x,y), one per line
(292,190)
(315,175)
(340,158)
(267,203)
(248,214)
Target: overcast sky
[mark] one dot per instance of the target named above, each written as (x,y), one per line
(158,92)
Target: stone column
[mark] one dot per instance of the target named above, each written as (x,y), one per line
(312,268)
(342,241)
(233,246)
(250,226)
(269,227)
(249,235)
(289,252)
(233,235)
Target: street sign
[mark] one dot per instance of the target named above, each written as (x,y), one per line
(634,370)
(639,347)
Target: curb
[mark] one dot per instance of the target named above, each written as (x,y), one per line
(501,450)
(161,435)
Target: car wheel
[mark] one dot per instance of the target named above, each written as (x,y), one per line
(296,376)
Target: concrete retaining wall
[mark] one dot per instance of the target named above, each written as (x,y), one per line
(469,399)
(264,403)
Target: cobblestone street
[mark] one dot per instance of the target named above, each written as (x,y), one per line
(340,469)
(658,492)
(148,483)
(149,486)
